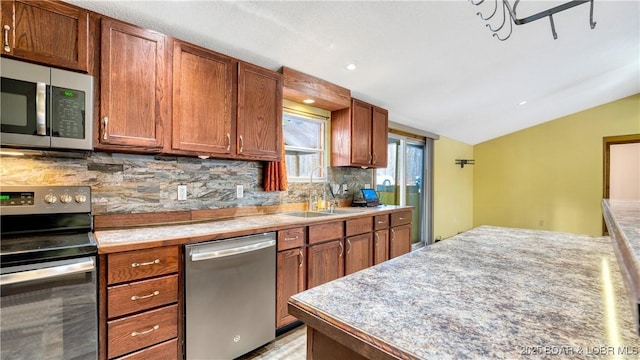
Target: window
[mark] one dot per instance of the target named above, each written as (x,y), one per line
(304,144)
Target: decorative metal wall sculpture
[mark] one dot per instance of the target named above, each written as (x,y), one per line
(510,13)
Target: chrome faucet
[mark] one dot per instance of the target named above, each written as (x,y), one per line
(311,205)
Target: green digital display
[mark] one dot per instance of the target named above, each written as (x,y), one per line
(4,197)
(68,93)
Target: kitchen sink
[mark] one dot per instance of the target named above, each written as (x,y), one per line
(342,211)
(307,214)
(320,213)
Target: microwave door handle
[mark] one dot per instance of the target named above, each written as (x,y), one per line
(41,109)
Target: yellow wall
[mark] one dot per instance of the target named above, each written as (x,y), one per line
(453,188)
(550,176)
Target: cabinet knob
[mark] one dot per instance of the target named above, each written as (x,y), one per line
(7,48)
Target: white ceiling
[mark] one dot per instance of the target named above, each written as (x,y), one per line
(433,64)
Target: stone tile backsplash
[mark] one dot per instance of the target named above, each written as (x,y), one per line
(126,183)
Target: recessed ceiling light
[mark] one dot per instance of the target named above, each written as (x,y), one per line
(522,102)
(351,66)
(308,101)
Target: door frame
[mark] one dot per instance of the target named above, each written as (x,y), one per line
(607,141)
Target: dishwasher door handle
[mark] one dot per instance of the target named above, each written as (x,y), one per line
(232,251)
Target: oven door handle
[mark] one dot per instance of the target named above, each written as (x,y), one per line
(81,265)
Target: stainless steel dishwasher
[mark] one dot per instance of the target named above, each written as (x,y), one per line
(230,295)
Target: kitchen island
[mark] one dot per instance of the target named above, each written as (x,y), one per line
(487,293)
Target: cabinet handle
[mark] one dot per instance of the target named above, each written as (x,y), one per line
(382,222)
(7,48)
(348,246)
(228,142)
(370,158)
(105,124)
(375,158)
(135,265)
(301,258)
(154,328)
(291,238)
(136,297)
(377,238)
(241,144)
(401,218)
(393,234)
(341,249)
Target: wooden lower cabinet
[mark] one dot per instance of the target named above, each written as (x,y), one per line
(167,350)
(400,240)
(291,279)
(141,306)
(139,331)
(325,262)
(380,246)
(359,253)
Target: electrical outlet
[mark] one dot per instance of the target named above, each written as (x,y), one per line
(344,188)
(367,186)
(182,192)
(335,188)
(239,191)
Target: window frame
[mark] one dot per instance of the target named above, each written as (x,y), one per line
(323,142)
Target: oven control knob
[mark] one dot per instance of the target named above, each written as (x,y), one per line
(65,198)
(81,198)
(50,198)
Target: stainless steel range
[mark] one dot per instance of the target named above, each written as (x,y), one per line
(48,286)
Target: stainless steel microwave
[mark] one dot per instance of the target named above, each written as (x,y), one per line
(43,107)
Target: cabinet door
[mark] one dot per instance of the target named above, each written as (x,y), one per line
(359,253)
(324,262)
(291,277)
(379,137)
(361,133)
(400,241)
(380,246)
(203,100)
(133,96)
(52,33)
(259,122)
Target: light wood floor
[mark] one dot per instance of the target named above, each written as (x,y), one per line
(289,346)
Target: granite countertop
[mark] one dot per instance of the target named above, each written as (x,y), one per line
(626,215)
(177,234)
(487,293)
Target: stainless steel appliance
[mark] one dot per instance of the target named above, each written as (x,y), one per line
(42,107)
(48,288)
(230,296)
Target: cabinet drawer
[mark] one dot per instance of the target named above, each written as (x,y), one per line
(401,218)
(140,264)
(141,295)
(381,222)
(359,226)
(165,351)
(139,331)
(291,238)
(324,232)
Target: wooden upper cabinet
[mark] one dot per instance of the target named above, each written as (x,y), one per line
(204,90)
(361,133)
(259,122)
(134,97)
(52,33)
(379,137)
(359,136)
